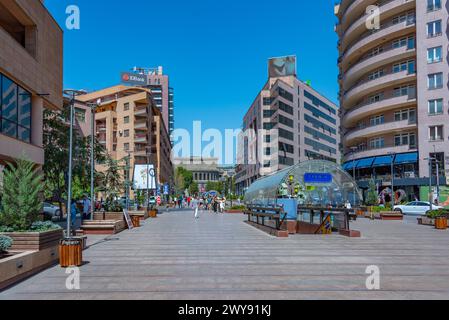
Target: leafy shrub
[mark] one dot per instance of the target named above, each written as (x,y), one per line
(379,209)
(241,207)
(438,213)
(40,226)
(113,206)
(5,243)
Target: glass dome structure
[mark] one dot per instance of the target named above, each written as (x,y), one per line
(314,182)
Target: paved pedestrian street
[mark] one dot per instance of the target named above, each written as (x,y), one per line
(221,257)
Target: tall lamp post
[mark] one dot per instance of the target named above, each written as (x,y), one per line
(93,107)
(393,195)
(353,150)
(73,94)
(430,159)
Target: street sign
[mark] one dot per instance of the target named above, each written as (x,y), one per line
(318,178)
(166,189)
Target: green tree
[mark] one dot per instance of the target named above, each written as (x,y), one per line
(21,202)
(56,145)
(193,190)
(183,179)
(372,198)
(112,183)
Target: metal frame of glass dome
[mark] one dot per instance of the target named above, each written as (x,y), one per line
(290,183)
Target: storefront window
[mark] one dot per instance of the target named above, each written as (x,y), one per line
(15,115)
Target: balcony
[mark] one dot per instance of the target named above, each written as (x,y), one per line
(388,56)
(359,112)
(141,126)
(368,152)
(368,87)
(140,112)
(140,139)
(372,39)
(388,8)
(376,130)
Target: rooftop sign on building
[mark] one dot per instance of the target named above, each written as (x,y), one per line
(282,66)
(134,79)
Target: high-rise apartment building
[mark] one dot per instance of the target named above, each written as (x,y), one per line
(163,95)
(128,123)
(30,77)
(288,122)
(394,90)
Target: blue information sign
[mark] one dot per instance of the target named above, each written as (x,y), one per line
(318,178)
(166,189)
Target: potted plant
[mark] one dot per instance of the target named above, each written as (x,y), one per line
(440,217)
(21,207)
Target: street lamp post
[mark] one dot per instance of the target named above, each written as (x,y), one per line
(393,195)
(73,94)
(430,159)
(93,107)
(353,149)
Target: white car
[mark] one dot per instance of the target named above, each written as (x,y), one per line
(419,208)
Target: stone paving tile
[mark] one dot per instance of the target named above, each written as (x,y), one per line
(220,257)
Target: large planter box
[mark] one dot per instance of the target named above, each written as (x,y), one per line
(21,265)
(143,214)
(392,215)
(34,241)
(427,221)
(234,211)
(99,216)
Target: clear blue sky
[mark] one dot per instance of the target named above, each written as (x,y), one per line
(214,51)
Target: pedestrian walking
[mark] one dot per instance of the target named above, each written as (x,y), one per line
(86,208)
(195,205)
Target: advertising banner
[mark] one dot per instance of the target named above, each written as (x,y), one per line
(134,79)
(144,177)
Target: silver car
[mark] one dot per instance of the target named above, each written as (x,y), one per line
(419,208)
(51,211)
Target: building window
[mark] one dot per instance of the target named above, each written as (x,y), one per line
(436,133)
(285,121)
(377,143)
(126,120)
(268,126)
(407,90)
(15,110)
(376,98)
(267,138)
(433,5)
(405,139)
(126,147)
(435,107)
(285,134)
(126,134)
(405,65)
(268,151)
(126,106)
(435,81)
(434,29)
(434,55)
(406,114)
(377,120)
(376,74)
(268,113)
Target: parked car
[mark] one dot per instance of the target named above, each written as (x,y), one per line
(51,211)
(419,208)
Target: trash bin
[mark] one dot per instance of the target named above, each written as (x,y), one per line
(71,252)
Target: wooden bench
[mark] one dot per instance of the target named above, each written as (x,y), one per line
(105,227)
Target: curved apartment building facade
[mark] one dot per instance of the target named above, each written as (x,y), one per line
(394,90)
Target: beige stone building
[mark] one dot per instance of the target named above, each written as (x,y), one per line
(128,123)
(31,50)
(394,91)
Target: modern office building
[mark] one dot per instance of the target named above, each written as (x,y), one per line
(30,77)
(288,122)
(394,91)
(128,124)
(159,84)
